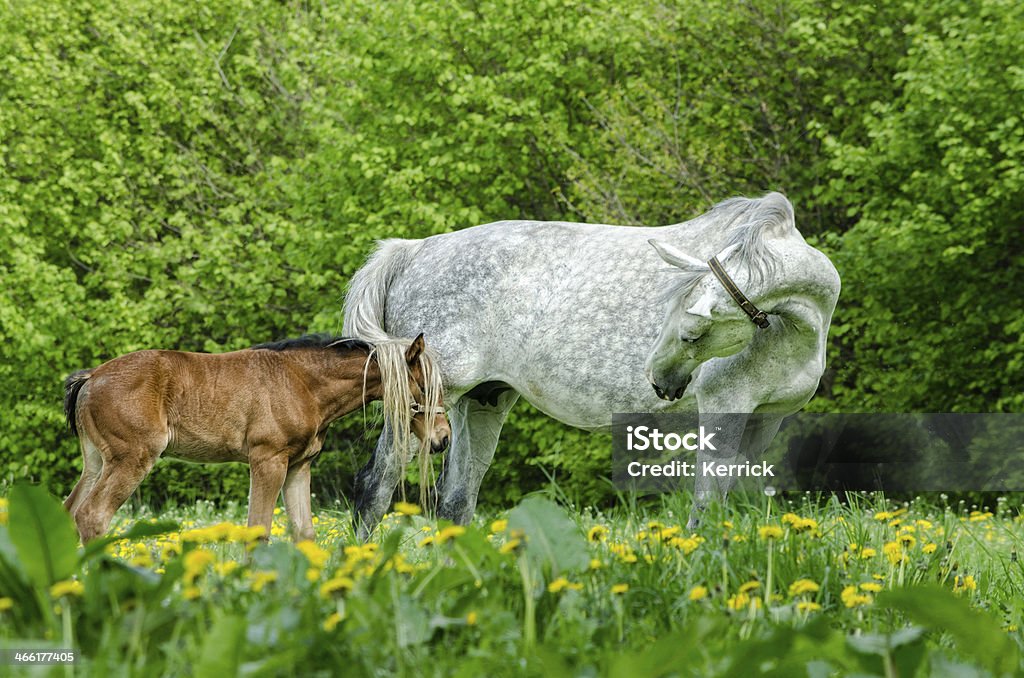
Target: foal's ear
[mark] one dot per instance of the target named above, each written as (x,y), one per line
(676,257)
(415,349)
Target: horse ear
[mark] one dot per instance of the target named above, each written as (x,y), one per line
(415,349)
(703,306)
(676,257)
(724,254)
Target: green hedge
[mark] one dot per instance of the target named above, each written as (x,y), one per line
(206,177)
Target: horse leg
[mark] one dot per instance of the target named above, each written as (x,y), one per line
(122,472)
(267,472)
(728,432)
(476,425)
(92,466)
(375,486)
(297,502)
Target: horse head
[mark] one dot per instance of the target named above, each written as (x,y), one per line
(714,308)
(702,321)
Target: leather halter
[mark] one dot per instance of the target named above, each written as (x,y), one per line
(757,316)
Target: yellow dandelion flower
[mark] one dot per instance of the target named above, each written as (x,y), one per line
(6,604)
(248,535)
(871,587)
(316,556)
(597,533)
(257,580)
(893,550)
(509,546)
(808,606)
(619,589)
(225,568)
(964,583)
(686,544)
(190,592)
(749,586)
(930,547)
(67,587)
(802,586)
(449,533)
(499,526)
(596,564)
(407,509)
(332,621)
(852,598)
(805,525)
(790,519)
(742,601)
(769,532)
(426,541)
(471,618)
(907,540)
(867,553)
(343,584)
(559,584)
(698,593)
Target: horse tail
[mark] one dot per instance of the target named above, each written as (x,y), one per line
(72,387)
(368,291)
(365,306)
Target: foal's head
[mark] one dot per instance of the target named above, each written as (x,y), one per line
(428,422)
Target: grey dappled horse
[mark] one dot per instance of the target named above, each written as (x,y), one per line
(583,319)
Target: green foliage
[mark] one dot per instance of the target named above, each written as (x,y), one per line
(937,190)
(161,601)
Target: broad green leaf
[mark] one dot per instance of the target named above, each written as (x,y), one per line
(44,535)
(222,652)
(551,538)
(977,634)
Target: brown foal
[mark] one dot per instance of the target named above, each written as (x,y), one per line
(268,406)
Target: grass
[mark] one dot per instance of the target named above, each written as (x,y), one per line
(767,586)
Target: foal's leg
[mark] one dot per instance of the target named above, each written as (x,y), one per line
(123,469)
(267,471)
(92,466)
(475,429)
(297,502)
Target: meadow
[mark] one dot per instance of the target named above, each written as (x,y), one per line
(797,585)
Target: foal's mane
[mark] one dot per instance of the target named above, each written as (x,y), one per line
(319,340)
(748,223)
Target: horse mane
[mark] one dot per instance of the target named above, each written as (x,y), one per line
(319,340)
(748,223)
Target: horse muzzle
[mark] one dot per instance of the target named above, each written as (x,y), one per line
(441,445)
(672,395)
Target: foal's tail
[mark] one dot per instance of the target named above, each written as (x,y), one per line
(368,290)
(72,386)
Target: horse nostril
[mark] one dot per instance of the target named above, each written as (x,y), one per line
(658,391)
(442,445)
